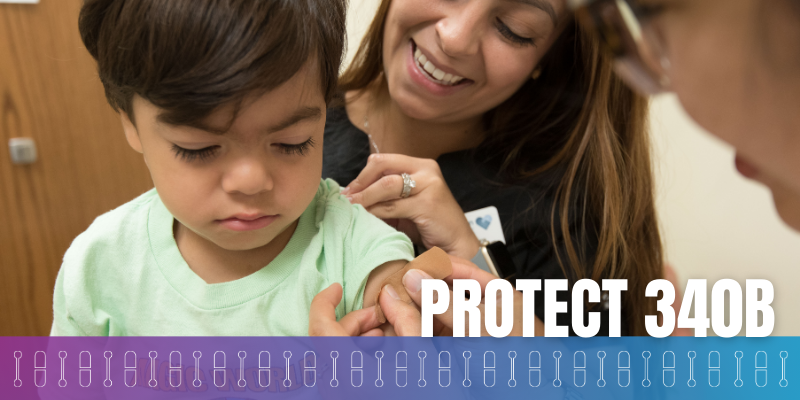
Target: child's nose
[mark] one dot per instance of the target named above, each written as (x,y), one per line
(248,177)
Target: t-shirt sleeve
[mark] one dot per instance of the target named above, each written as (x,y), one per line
(372,243)
(63,323)
(74,303)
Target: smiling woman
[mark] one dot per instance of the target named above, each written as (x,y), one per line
(504,103)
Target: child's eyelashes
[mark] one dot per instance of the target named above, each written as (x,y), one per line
(190,155)
(299,149)
(206,153)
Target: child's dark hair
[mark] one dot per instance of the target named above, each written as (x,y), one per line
(189,57)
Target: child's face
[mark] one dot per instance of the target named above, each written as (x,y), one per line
(241,188)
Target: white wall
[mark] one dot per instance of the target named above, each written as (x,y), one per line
(359,16)
(715,224)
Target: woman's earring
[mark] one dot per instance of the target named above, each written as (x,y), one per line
(536,73)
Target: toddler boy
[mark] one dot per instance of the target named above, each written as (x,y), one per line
(226,101)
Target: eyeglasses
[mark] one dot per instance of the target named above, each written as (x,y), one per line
(626,29)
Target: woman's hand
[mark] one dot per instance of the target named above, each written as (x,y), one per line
(322,317)
(429,215)
(400,313)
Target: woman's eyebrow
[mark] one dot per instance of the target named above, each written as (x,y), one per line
(543,5)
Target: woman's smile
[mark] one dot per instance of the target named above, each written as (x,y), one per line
(433,76)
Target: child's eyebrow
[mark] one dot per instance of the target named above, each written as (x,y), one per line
(300,115)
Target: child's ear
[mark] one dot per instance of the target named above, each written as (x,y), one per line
(131,133)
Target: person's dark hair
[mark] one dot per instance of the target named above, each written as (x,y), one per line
(189,57)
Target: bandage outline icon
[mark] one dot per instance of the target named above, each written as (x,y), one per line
(534,369)
(220,374)
(356,368)
(129,362)
(624,366)
(761,369)
(175,368)
(579,363)
(40,369)
(714,373)
(85,368)
(309,369)
(488,368)
(669,368)
(264,366)
(401,366)
(444,368)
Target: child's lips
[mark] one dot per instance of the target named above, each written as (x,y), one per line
(247,222)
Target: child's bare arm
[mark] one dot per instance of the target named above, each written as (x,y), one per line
(376,280)
(435,262)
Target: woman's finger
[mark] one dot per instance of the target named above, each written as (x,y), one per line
(463,269)
(322,316)
(412,281)
(404,317)
(380,165)
(389,187)
(395,209)
(373,332)
(359,321)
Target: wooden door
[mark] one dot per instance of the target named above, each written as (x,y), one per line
(49,91)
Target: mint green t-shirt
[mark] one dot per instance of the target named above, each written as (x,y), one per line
(124,276)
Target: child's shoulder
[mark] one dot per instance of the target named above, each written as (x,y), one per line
(341,220)
(112,233)
(331,205)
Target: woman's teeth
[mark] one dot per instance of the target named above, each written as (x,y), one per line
(439,75)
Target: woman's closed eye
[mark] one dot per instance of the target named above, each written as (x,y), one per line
(511,36)
(190,155)
(298,149)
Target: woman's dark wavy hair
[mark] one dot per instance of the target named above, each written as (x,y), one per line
(581,123)
(189,57)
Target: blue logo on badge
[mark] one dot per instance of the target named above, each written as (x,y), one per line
(484,221)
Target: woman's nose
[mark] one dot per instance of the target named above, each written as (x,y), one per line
(248,177)
(459,32)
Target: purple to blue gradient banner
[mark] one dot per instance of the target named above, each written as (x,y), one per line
(122,368)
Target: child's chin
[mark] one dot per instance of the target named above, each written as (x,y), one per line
(242,243)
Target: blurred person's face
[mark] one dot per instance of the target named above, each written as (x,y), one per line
(449,61)
(735,66)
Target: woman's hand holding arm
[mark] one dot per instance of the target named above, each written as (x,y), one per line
(429,215)
(398,312)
